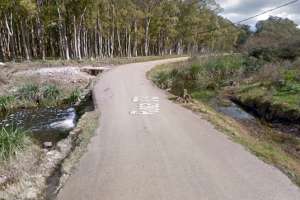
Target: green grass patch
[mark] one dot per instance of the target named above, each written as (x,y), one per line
(51,92)
(6,103)
(28,92)
(283,91)
(204,76)
(12,141)
(73,97)
(204,95)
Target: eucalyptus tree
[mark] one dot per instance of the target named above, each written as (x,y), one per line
(77,29)
(147,7)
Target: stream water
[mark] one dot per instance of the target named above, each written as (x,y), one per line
(238,113)
(235,112)
(47,124)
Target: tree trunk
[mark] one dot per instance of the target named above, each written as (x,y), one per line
(67,47)
(2,56)
(33,45)
(10,41)
(86,44)
(17,41)
(96,48)
(63,38)
(40,34)
(100,39)
(179,48)
(135,54)
(112,38)
(51,46)
(61,43)
(160,44)
(147,24)
(76,54)
(129,45)
(119,43)
(24,40)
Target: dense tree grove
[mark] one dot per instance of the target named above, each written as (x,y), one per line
(274,39)
(274,32)
(76,29)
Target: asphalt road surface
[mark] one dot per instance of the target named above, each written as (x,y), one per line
(148,148)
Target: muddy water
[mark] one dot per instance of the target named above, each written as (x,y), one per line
(47,124)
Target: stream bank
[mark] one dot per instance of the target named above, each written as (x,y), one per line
(210,85)
(39,162)
(53,129)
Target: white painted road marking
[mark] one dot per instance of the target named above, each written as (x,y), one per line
(145,105)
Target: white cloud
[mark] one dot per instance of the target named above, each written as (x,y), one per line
(229,3)
(237,10)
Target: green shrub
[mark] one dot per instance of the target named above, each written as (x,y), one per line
(28,92)
(174,73)
(5,103)
(161,79)
(274,54)
(204,95)
(74,96)
(195,70)
(12,141)
(292,75)
(218,71)
(51,92)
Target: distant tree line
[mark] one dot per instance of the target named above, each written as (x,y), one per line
(76,29)
(274,39)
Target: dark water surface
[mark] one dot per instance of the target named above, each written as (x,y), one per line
(47,124)
(238,113)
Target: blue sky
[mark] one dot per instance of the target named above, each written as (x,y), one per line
(236,10)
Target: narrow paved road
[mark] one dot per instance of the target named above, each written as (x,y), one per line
(148,148)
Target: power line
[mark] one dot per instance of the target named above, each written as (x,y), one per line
(254,16)
(267,11)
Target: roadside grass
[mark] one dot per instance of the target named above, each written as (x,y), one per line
(204,76)
(268,145)
(12,141)
(275,85)
(204,95)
